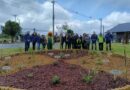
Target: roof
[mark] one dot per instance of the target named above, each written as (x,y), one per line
(125,27)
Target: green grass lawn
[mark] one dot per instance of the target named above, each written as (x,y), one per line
(117,48)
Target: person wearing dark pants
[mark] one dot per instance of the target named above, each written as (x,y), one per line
(27,39)
(34,40)
(108,40)
(78,44)
(100,46)
(101,42)
(86,41)
(43,42)
(62,41)
(94,39)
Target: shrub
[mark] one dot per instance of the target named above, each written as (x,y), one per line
(55,80)
(87,78)
(55,63)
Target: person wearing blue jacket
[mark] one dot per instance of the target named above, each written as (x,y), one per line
(27,39)
(38,41)
(108,40)
(34,40)
(94,39)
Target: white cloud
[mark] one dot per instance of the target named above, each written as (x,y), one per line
(37,15)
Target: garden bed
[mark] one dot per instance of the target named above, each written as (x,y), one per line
(71,78)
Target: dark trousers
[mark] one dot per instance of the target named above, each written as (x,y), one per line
(108,46)
(94,45)
(86,46)
(27,46)
(101,46)
(69,45)
(62,45)
(43,46)
(49,46)
(33,44)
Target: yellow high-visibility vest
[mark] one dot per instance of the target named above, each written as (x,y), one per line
(100,39)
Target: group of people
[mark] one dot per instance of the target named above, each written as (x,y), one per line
(37,40)
(69,41)
(84,41)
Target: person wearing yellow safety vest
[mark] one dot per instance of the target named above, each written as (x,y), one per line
(78,43)
(101,41)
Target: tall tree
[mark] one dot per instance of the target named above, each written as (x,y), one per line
(12,29)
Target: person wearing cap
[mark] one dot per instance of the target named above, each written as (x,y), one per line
(100,41)
(94,39)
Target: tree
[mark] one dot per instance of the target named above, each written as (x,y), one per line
(12,29)
(67,29)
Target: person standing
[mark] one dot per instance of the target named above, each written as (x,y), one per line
(62,40)
(100,42)
(50,41)
(43,41)
(94,39)
(27,39)
(78,44)
(34,39)
(38,41)
(108,40)
(86,41)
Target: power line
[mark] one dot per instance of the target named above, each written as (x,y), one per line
(77,13)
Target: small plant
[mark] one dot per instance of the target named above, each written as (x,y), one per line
(55,80)
(87,79)
(55,63)
(30,75)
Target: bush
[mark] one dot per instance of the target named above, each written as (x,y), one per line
(55,63)
(55,80)
(87,78)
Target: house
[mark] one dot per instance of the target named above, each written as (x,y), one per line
(121,32)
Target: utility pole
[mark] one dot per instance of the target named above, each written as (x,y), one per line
(100,25)
(53,17)
(15,17)
(103,30)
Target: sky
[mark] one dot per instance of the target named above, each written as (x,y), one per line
(38,14)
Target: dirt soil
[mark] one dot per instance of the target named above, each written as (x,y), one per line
(70,76)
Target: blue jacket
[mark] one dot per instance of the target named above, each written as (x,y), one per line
(27,38)
(38,39)
(108,37)
(94,38)
(34,38)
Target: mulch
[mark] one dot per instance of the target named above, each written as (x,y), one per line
(70,75)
